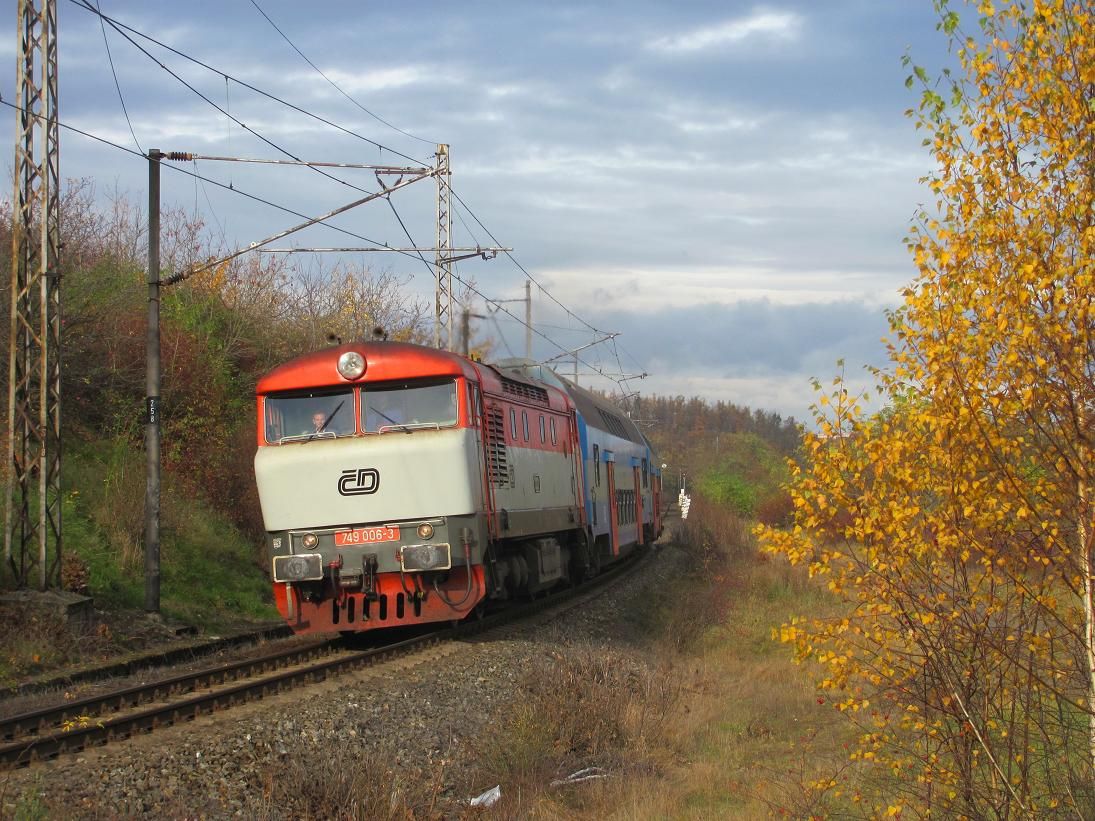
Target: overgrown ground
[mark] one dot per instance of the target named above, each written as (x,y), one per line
(210,580)
(715,722)
(692,711)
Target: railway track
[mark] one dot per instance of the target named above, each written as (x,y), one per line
(74,726)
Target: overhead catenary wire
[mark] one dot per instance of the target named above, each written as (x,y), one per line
(549,295)
(309,221)
(511,315)
(335,85)
(86,4)
(522,268)
(467,228)
(198,181)
(287,210)
(410,239)
(498,306)
(118,26)
(121,28)
(211,181)
(117,85)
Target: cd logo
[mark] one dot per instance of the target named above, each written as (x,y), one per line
(359,482)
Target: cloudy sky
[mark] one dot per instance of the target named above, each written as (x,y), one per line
(724,184)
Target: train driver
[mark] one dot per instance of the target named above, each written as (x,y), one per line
(325,421)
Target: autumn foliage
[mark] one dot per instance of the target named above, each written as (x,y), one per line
(957,524)
(221,328)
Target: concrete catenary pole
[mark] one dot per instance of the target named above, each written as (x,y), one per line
(152,395)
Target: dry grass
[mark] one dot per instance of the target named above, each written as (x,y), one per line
(707,719)
(330,784)
(581,709)
(756,735)
(34,641)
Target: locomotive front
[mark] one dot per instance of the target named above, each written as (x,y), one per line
(369,473)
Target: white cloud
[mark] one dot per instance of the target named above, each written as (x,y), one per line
(770,25)
(705,119)
(384,79)
(786,394)
(507,90)
(655,289)
(536,159)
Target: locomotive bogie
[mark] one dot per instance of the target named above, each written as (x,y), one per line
(319,607)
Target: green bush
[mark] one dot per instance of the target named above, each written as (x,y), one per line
(747,472)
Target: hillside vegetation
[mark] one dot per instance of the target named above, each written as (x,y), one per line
(221,329)
(734,456)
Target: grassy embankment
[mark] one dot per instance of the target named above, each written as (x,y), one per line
(696,713)
(710,718)
(209,577)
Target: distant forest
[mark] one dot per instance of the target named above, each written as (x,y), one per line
(667,418)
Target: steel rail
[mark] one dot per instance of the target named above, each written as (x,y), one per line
(83,732)
(141,662)
(69,728)
(45,719)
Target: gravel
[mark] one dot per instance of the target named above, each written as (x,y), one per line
(413,715)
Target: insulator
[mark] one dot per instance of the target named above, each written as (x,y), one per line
(179,156)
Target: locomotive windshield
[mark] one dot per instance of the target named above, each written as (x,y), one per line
(301,416)
(408,405)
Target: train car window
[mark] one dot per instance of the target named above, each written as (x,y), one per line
(407,406)
(543,436)
(513,423)
(597,464)
(301,416)
(646,481)
(474,409)
(553,430)
(524,423)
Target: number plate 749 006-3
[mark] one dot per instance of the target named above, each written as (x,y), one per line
(367,535)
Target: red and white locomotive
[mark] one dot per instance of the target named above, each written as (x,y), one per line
(401,484)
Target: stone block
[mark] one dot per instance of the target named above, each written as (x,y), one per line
(75,611)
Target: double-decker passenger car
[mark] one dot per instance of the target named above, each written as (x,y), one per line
(401,484)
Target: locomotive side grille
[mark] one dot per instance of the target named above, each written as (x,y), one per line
(530,392)
(497,462)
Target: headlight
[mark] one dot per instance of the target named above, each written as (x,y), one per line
(309,540)
(425,530)
(425,557)
(303,567)
(351,365)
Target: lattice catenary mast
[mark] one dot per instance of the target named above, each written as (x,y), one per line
(32,535)
(443,258)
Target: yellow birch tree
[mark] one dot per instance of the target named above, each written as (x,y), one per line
(957,524)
